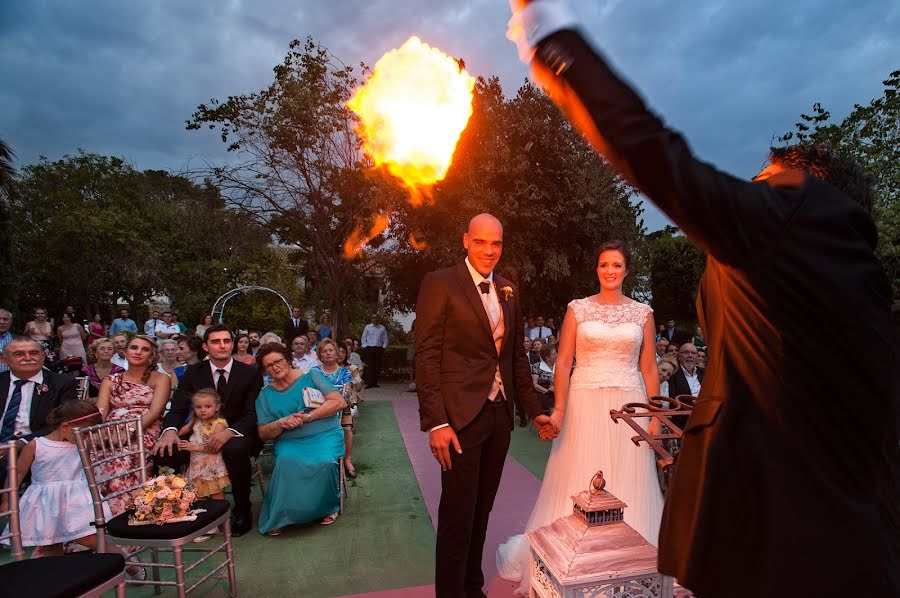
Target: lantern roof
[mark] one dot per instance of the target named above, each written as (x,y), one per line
(575,551)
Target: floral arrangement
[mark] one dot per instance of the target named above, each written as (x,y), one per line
(163,498)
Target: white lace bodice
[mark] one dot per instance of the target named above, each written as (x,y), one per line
(608,344)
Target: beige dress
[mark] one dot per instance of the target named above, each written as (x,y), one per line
(207,470)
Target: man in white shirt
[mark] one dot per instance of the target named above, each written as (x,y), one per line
(539,330)
(120,341)
(150,325)
(374,341)
(688,378)
(167,327)
(304,358)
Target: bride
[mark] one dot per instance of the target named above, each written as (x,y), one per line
(613,340)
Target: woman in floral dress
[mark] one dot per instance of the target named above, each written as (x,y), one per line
(140,391)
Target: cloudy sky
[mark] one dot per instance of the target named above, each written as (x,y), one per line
(120,78)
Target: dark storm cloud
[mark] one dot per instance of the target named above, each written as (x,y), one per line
(122,77)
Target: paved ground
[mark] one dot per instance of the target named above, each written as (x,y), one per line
(383,545)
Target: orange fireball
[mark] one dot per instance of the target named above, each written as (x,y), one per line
(412,110)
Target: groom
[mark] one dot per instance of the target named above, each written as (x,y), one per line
(470,367)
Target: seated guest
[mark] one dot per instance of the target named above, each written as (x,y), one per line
(238,384)
(100,354)
(140,391)
(190,350)
(672,349)
(688,377)
(339,377)
(169,363)
(527,344)
(542,376)
(270,337)
(29,392)
(313,337)
(353,356)
(254,342)
(120,341)
(303,359)
(697,339)
(535,355)
(308,443)
(242,350)
(666,369)
(167,327)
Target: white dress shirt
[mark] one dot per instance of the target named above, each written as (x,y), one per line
(541,332)
(161,326)
(307,362)
(374,335)
(150,327)
(119,361)
(692,380)
(23,417)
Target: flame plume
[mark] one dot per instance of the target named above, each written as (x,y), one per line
(412,110)
(354,244)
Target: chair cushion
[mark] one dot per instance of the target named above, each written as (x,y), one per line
(59,576)
(119,528)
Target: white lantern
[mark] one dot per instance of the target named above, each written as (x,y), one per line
(593,553)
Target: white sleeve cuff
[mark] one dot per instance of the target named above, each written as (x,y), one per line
(439,427)
(538,20)
(236,433)
(169,428)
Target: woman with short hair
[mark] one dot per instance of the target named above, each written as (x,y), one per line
(309,443)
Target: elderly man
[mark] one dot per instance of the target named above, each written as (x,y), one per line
(661,346)
(305,358)
(120,341)
(29,392)
(5,334)
(689,377)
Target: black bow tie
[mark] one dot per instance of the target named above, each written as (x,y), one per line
(485,287)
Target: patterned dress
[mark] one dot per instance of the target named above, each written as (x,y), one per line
(128,400)
(207,470)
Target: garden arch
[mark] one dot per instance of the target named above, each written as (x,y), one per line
(218,310)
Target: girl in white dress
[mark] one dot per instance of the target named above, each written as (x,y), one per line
(56,508)
(613,340)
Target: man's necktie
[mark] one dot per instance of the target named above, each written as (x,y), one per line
(220,385)
(12,411)
(485,287)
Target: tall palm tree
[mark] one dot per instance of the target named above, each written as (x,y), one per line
(8,173)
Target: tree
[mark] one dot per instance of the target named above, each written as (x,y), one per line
(299,170)
(870,135)
(522,161)
(136,234)
(676,265)
(8,178)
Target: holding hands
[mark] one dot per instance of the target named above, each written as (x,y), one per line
(548,428)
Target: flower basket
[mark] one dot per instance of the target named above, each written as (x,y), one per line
(167,498)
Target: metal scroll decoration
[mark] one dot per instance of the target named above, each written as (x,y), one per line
(672,415)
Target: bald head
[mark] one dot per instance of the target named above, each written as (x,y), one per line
(484,243)
(485,220)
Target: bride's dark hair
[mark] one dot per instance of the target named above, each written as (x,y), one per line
(616,245)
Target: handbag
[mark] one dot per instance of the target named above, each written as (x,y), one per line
(312,398)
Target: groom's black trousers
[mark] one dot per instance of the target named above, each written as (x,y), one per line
(467,496)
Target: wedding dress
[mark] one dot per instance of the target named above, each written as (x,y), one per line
(606,376)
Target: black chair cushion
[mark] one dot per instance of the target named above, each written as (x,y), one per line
(59,576)
(119,528)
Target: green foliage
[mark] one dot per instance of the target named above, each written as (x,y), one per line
(8,177)
(522,161)
(676,265)
(871,135)
(89,229)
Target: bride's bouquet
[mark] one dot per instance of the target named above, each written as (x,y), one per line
(167,498)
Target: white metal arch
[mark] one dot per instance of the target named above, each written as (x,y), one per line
(218,310)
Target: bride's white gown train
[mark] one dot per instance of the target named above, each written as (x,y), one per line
(608,343)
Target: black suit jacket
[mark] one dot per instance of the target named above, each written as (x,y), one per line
(291,332)
(678,384)
(787,471)
(238,404)
(60,388)
(456,358)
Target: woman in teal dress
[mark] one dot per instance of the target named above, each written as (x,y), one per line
(308,444)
